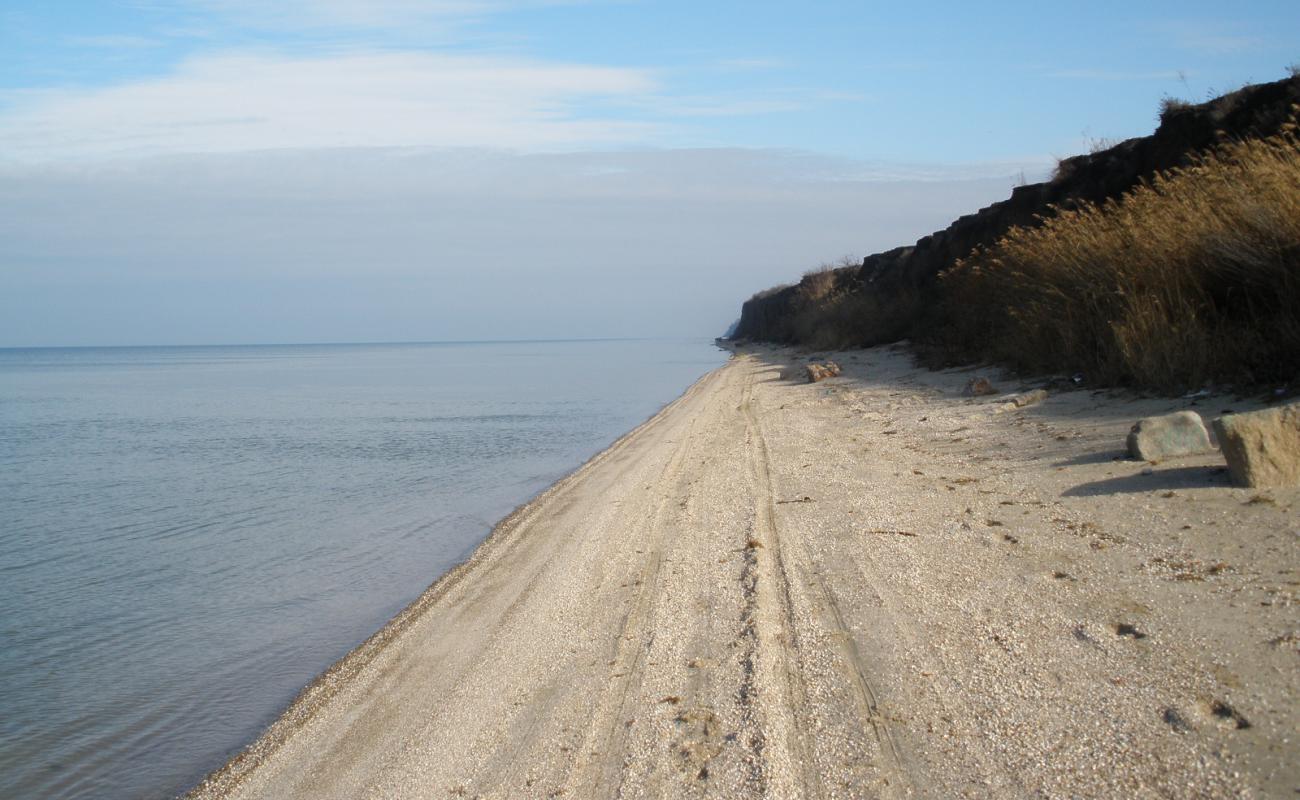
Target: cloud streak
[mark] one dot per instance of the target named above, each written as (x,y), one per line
(233,103)
(1212,38)
(1117,75)
(349,14)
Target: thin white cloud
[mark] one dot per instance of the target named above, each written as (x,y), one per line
(706,106)
(834,95)
(751,64)
(238,103)
(1220,43)
(1213,38)
(354,14)
(1117,75)
(115,42)
(752,103)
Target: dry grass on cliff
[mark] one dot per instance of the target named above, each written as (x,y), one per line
(829,311)
(1192,277)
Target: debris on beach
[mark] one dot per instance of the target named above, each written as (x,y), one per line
(979,386)
(822,371)
(1024,399)
(1029,398)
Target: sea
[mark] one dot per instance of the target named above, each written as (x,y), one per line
(189,535)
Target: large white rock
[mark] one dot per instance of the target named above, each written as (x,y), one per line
(1262,448)
(1179,434)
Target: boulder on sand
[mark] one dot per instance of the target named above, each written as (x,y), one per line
(820,372)
(1262,448)
(979,386)
(1179,434)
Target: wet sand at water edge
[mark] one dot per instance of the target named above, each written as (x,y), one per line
(866,587)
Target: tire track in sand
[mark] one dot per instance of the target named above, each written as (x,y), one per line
(790,550)
(773,684)
(605,742)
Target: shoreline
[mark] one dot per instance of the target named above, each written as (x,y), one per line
(869,586)
(324,686)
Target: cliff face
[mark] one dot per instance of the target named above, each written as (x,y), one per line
(904,278)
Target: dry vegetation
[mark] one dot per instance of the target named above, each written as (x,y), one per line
(831,312)
(1191,277)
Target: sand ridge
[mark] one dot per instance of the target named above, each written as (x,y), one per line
(866,587)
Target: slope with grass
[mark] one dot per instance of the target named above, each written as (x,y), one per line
(1187,235)
(1191,277)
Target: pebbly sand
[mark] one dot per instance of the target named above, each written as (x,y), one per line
(868,587)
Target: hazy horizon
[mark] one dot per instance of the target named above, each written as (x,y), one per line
(413,342)
(230,172)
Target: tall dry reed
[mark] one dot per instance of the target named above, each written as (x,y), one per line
(1191,277)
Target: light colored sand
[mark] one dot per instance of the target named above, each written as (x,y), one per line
(869,587)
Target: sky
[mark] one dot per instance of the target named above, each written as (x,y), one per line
(242,171)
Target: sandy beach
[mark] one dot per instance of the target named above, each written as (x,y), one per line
(872,586)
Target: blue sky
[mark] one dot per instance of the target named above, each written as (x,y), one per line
(658,106)
(932,82)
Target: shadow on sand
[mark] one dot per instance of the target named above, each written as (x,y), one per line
(1160,480)
(1099,457)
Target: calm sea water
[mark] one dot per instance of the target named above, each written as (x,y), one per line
(188,535)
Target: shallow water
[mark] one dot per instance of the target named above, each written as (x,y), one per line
(189,534)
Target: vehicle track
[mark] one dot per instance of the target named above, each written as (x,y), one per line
(775,660)
(605,742)
(790,552)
